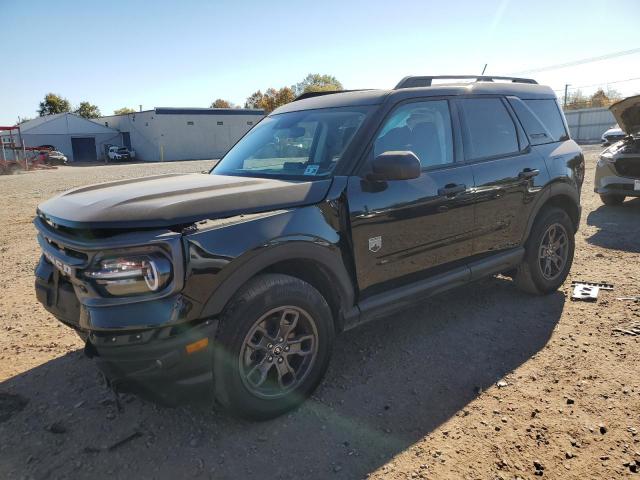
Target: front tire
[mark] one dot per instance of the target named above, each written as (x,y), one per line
(273,347)
(611,199)
(548,253)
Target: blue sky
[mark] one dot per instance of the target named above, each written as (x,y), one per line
(188,53)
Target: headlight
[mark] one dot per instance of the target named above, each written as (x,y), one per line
(606,157)
(134,275)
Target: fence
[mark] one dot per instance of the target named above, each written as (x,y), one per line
(588,124)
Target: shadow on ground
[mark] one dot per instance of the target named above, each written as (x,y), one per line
(618,227)
(390,383)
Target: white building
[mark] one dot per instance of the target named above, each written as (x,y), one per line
(81,140)
(165,134)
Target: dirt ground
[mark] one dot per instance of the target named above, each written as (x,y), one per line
(481,383)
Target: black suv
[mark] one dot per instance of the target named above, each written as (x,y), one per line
(338,208)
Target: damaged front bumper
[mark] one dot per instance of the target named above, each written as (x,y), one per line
(609,182)
(156,346)
(166,362)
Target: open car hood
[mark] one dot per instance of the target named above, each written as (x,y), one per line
(166,200)
(627,114)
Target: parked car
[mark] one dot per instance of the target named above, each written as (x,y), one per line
(613,135)
(618,169)
(120,153)
(241,278)
(47,147)
(55,157)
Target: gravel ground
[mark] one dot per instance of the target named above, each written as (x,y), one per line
(483,382)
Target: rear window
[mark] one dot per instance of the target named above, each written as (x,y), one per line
(489,130)
(549,114)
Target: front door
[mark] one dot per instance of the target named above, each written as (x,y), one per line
(405,230)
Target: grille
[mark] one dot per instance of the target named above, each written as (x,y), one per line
(67,250)
(628,167)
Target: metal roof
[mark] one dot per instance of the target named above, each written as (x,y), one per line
(71,123)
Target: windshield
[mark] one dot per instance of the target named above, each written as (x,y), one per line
(302,144)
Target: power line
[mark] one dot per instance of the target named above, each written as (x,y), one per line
(599,84)
(581,62)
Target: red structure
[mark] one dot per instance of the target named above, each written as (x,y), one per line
(15,156)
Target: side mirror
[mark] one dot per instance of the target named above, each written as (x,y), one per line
(395,165)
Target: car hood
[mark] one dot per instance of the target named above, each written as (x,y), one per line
(627,114)
(176,199)
(614,131)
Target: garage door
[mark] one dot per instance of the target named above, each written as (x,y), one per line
(84,149)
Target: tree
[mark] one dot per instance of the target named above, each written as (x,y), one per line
(221,103)
(123,111)
(599,99)
(284,96)
(270,99)
(315,82)
(614,95)
(576,100)
(254,100)
(602,99)
(53,104)
(86,110)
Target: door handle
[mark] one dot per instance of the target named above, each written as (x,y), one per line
(528,173)
(451,189)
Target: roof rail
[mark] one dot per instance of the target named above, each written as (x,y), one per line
(302,96)
(413,82)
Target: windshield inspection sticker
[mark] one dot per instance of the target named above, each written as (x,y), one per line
(311,169)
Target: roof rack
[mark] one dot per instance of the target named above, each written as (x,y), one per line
(329,92)
(413,82)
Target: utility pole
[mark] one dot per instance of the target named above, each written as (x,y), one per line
(566,92)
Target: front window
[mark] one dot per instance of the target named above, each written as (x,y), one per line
(303,144)
(423,128)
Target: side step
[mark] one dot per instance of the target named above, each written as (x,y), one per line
(397,299)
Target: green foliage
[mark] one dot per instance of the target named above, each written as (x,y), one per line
(123,111)
(270,99)
(53,104)
(254,100)
(87,110)
(315,82)
(221,103)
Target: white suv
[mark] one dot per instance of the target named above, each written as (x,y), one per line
(120,153)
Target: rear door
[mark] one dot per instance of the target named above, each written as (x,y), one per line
(508,173)
(405,230)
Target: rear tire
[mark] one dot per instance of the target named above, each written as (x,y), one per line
(611,199)
(548,253)
(273,347)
